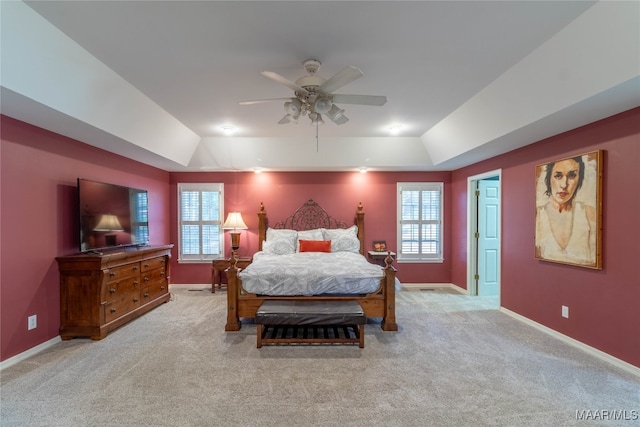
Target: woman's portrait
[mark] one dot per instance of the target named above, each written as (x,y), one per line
(568,216)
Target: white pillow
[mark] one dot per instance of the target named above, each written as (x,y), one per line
(343,240)
(278,247)
(283,233)
(284,239)
(315,234)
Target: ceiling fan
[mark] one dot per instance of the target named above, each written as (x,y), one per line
(314,95)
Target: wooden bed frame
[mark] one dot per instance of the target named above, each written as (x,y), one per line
(242,304)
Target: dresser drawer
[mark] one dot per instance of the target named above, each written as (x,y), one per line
(152,276)
(116,273)
(121,306)
(118,289)
(154,291)
(150,264)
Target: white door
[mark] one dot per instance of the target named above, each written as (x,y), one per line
(488,237)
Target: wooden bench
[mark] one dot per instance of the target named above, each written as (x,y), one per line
(310,322)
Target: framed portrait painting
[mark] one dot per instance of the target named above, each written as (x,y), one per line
(569,210)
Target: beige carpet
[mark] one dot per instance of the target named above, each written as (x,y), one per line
(456,360)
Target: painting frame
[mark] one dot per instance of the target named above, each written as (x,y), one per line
(568,210)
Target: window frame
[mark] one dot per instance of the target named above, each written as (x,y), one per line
(200,187)
(420,257)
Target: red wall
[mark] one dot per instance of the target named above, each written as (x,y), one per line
(39,221)
(337,192)
(604,305)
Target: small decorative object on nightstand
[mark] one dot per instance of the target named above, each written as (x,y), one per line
(220,265)
(379,246)
(379,257)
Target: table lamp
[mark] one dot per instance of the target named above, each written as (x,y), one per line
(234,222)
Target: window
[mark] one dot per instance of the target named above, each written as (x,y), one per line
(140,207)
(200,212)
(420,221)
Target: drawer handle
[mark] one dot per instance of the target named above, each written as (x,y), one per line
(162,273)
(135,268)
(162,288)
(135,300)
(146,295)
(113,310)
(112,291)
(146,265)
(112,273)
(135,283)
(146,279)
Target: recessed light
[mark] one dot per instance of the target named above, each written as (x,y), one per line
(228,129)
(395,129)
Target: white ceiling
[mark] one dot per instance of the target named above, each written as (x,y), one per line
(155,80)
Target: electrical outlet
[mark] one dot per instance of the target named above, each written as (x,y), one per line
(32,322)
(565,311)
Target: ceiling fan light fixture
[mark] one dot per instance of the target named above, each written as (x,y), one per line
(314,95)
(336,114)
(293,108)
(322,105)
(316,119)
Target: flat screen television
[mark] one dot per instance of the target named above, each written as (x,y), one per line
(111,216)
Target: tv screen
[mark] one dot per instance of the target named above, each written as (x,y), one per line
(111,215)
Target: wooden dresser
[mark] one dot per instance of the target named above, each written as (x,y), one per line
(100,292)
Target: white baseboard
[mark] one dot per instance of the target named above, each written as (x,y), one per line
(31,352)
(189,285)
(628,367)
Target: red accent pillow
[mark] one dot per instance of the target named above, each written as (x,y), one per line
(315,245)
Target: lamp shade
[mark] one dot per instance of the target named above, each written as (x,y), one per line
(293,107)
(108,222)
(316,119)
(234,222)
(322,105)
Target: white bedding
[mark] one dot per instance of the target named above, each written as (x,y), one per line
(311,273)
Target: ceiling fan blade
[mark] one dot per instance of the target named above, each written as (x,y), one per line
(262,101)
(288,83)
(341,78)
(359,99)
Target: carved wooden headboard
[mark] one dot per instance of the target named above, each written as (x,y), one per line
(309,216)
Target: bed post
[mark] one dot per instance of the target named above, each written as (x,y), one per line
(389,319)
(262,226)
(233,321)
(360,225)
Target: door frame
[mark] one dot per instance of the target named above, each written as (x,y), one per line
(472,216)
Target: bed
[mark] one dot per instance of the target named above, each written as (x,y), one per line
(267,279)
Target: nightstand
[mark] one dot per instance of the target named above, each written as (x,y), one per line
(379,257)
(220,265)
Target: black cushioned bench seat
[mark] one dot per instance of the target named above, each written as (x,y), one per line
(310,322)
